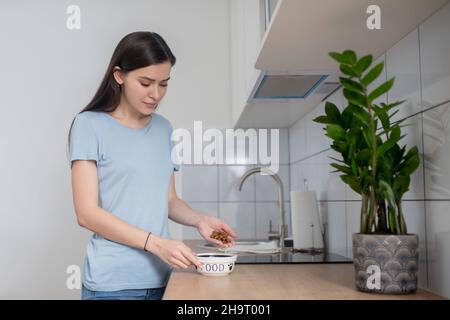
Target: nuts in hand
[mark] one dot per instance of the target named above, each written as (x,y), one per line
(220,235)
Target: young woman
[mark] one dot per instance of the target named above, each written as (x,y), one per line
(123,180)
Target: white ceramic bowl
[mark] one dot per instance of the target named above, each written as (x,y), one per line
(216,264)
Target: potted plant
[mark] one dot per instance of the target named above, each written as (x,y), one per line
(376,166)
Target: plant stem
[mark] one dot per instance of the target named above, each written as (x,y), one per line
(363,225)
(382,223)
(374,159)
(401,218)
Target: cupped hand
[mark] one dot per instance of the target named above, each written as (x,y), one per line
(208,224)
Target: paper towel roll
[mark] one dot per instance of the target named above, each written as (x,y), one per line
(304,214)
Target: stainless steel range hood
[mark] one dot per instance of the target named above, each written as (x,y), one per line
(291,87)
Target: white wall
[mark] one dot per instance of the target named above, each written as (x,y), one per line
(420,62)
(48,75)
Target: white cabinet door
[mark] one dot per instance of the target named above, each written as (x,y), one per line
(247,25)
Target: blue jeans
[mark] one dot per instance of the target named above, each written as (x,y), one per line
(132,294)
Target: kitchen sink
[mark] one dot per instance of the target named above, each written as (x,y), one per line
(286,256)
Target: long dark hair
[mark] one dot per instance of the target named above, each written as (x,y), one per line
(136,50)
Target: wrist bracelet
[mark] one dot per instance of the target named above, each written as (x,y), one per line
(145,245)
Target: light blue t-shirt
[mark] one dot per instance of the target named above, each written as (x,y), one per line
(134,168)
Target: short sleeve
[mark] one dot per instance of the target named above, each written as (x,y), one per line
(83,140)
(173,152)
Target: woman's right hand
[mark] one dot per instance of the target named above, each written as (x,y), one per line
(175,253)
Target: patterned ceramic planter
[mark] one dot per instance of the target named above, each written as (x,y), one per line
(386,264)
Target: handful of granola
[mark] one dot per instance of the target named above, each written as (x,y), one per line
(221,235)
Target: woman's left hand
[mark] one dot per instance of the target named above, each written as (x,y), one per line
(208,224)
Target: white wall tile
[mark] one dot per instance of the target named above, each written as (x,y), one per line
(228,184)
(330,186)
(435,62)
(350,194)
(241,217)
(334,220)
(267,188)
(402,62)
(436,129)
(438,240)
(414,138)
(414,212)
(199,183)
(316,139)
(297,141)
(353,217)
(296,177)
(310,168)
(210,208)
(338,99)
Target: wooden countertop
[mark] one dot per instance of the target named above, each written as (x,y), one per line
(275,282)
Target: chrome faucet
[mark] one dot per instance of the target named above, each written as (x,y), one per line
(281,232)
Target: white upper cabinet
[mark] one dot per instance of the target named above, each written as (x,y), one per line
(303,32)
(247,30)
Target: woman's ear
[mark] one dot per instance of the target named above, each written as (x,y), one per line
(117,73)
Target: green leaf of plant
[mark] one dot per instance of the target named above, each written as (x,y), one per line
(383,116)
(393,139)
(346,118)
(352,85)
(340,146)
(392,217)
(411,163)
(372,74)
(363,63)
(414,151)
(387,192)
(355,98)
(363,157)
(401,185)
(362,115)
(348,70)
(324,120)
(336,56)
(389,106)
(342,168)
(354,167)
(333,112)
(367,137)
(335,132)
(352,182)
(349,57)
(382,89)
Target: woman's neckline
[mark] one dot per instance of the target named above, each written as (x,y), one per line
(130,128)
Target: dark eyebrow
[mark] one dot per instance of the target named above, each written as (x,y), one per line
(150,79)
